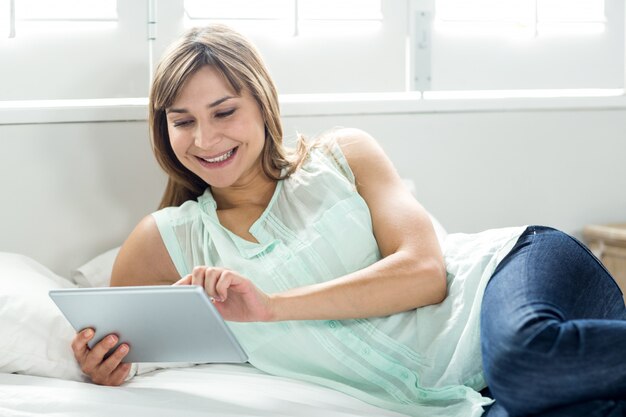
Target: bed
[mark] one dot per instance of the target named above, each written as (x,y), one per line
(203,390)
(38,374)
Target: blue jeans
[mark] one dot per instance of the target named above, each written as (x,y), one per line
(553,331)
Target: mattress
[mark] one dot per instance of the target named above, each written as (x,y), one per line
(203,390)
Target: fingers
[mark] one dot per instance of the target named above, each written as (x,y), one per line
(216,281)
(222,284)
(112,371)
(109,371)
(212,277)
(94,358)
(186,280)
(119,375)
(198,274)
(79,344)
(207,278)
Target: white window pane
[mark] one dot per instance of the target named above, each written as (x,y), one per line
(239,9)
(66,9)
(485,10)
(82,59)
(570,11)
(340,9)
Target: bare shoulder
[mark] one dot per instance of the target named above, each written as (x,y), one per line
(399,221)
(143,258)
(366,157)
(355,142)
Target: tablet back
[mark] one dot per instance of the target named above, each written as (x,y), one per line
(159,323)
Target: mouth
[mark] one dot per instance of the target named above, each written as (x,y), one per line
(219,160)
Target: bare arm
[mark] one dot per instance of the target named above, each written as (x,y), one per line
(143,258)
(411,273)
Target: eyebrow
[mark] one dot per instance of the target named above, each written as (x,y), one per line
(211,105)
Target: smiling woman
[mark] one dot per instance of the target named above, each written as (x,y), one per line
(216,134)
(200,113)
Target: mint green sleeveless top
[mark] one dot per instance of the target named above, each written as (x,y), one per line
(315,228)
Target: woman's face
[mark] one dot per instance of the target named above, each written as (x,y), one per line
(215,133)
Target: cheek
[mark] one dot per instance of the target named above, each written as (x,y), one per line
(175,142)
(178,145)
(254,129)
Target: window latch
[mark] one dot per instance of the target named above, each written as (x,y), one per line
(12,19)
(152,20)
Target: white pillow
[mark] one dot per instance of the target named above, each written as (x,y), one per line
(35,338)
(96,272)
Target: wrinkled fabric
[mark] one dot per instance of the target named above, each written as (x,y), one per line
(316,228)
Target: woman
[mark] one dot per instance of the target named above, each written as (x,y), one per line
(328,270)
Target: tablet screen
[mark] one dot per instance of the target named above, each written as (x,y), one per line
(159,323)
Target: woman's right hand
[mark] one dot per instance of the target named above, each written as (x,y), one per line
(110,371)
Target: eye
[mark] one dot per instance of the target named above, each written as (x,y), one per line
(181,123)
(221,115)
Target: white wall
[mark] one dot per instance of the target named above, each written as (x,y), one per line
(476,171)
(73,190)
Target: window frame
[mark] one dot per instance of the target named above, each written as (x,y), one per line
(135,108)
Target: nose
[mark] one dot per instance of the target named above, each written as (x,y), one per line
(205,135)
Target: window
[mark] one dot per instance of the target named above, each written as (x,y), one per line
(66,10)
(462,45)
(520,17)
(42,15)
(286,16)
(98,49)
(318,46)
(570,16)
(74,49)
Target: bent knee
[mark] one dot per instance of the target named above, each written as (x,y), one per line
(517,367)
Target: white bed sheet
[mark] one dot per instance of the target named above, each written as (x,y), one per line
(203,390)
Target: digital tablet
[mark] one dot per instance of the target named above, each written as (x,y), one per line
(159,323)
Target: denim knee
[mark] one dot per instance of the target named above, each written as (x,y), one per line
(515,365)
(528,319)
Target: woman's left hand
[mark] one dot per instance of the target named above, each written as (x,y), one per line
(235,297)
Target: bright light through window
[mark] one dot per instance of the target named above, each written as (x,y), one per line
(519,17)
(39,17)
(339,10)
(238,9)
(571,11)
(285,16)
(484,11)
(66,10)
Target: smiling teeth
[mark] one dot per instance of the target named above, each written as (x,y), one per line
(220,158)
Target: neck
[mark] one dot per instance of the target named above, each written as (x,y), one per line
(256,191)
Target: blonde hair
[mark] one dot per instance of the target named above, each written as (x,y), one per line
(242,67)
